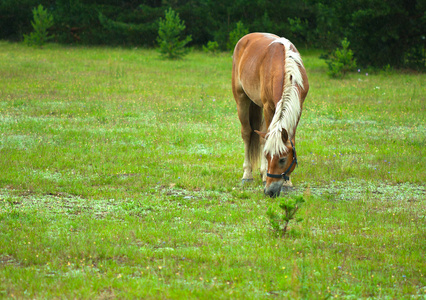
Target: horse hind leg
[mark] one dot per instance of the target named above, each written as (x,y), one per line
(243,106)
(251,119)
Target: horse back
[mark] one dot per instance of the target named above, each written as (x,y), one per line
(258,68)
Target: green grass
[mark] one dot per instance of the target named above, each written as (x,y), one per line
(121,178)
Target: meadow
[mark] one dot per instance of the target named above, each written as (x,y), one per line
(120,178)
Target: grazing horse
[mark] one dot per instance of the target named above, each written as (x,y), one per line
(269,84)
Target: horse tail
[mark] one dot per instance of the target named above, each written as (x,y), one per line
(256,120)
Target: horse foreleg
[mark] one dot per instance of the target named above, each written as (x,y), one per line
(247,166)
(287,185)
(246,133)
(263,160)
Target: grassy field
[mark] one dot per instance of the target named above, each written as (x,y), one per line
(121,178)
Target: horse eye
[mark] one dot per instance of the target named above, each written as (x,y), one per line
(282,161)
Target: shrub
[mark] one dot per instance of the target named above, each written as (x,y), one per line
(169,36)
(341,61)
(212,47)
(43,20)
(235,35)
(299,28)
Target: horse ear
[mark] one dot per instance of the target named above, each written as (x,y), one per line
(262,134)
(284,135)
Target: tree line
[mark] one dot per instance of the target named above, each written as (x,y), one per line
(381,33)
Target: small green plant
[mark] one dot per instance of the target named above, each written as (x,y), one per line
(43,20)
(212,47)
(341,61)
(169,37)
(280,221)
(235,35)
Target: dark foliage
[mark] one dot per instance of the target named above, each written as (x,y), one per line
(380,32)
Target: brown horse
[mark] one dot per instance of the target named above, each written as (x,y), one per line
(269,84)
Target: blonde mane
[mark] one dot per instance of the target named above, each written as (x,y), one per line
(287,112)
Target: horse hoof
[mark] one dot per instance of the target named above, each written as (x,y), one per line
(244,181)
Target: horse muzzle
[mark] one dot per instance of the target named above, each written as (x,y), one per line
(274,189)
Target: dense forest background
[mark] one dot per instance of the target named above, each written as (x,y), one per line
(381,32)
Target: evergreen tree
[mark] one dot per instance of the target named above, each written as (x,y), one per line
(171,44)
(43,20)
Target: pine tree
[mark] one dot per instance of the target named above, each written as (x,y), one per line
(169,36)
(43,20)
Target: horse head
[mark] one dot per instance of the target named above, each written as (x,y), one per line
(280,165)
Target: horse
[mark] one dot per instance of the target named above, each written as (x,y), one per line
(269,84)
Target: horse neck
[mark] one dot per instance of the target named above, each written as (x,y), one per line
(288,108)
